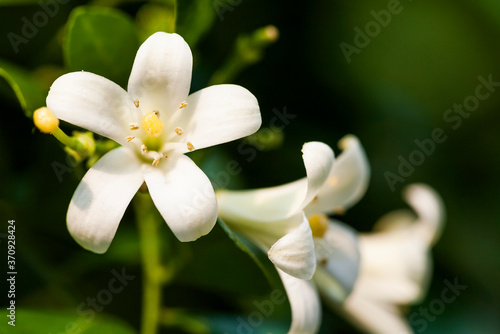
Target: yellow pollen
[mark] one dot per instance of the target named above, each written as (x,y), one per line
(190,146)
(178,131)
(183,104)
(318,224)
(130,138)
(45,120)
(136,103)
(134,126)
(152,125)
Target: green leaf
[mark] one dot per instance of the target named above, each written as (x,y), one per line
(255,253)
(38,321)
(102,41)
(28,90)
(194,19)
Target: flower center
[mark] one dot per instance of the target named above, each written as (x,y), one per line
(319,225)
(152,125)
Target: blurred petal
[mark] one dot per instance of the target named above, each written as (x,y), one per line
(347,180)
(184,196)
(216,115)
(374,317)
(294,252)
(396,264)
(94,103)
(305,304)
(338,252)
(161,74)
(101,198)
(429,208)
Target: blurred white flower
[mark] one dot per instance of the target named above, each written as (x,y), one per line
(156,122)
(279,220)
(395,266)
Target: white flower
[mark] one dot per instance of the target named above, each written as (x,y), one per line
(395,264)
(156,122)
(276,218)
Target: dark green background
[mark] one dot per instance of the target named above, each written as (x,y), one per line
(395,91)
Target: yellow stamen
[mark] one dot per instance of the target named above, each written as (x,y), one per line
(152,125)
(178,131)
(165,155)
(156,161)
(318,224)
(45,120)
(136,103)
(190,146)
(144,149)
(134,126)
(183,104)
(130,138)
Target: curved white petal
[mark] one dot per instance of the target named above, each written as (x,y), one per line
(347,180)
(304,303)
(294,252)
(262,206)
(429,208)
(161,74)
(184,196)
(339,256)
(216,115)
(318,160)
(94,103)
(101,198)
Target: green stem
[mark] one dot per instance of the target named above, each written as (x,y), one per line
(64,138)
(147,221)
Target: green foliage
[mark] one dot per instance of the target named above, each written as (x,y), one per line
(28,90)
(38,321)
(194,19)
(102,41)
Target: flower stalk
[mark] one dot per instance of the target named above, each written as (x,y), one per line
(154,278)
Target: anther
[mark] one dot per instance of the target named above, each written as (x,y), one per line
(156,161)
(178,131)
(319,225)
(183,104)
(144,149)
(136,103)
(190,146)
(165,155)
(134,126)
(130,138)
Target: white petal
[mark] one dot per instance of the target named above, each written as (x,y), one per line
(184,196)
(347,181)
(429,207)
(216,115)
(294,253)
(305,304)
(338,252)
(101,198)
(94,103)
(374,317)
(270,213)
(318,160)
(161,74)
